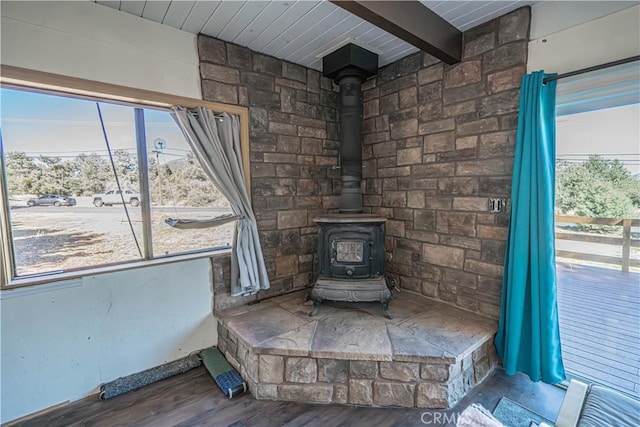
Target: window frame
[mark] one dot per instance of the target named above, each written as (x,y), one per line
(41,82)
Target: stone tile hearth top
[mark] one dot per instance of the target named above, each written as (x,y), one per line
(422,330)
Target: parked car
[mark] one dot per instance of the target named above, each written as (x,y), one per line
(52,200)
(113,197)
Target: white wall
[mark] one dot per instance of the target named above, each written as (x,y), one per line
(568,36)
(60,341)
(87,40)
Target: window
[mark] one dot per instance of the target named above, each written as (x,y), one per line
(597,225)
(75,199)
(179,189)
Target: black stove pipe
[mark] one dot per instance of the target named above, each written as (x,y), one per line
(349,66)
(350,116)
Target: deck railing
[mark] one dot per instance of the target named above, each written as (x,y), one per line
(625,261)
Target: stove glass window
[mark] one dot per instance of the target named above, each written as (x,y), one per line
(349,251)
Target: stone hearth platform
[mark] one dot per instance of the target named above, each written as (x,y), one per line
(429,355)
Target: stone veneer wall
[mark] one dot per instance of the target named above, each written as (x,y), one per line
(436,384)
(439,140)
(294,148)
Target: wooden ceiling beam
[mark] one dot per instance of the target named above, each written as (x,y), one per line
(412,22)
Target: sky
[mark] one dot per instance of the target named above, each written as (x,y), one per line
(64,126)
(612,133)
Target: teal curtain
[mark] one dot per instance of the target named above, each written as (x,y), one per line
(528,338)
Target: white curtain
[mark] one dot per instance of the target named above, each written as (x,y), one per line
(216,144)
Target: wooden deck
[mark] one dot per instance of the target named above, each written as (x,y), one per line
(599,311)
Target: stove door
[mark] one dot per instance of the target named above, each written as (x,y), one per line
(350,254)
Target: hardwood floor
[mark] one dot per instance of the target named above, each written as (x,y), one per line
(193,399)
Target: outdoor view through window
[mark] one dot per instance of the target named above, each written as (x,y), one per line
(598,227)
(65,207)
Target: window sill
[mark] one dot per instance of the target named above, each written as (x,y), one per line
(22,282)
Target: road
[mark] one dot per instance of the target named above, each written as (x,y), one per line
(118,209)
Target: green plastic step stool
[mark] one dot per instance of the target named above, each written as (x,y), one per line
(227,378)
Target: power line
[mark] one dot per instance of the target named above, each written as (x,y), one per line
(624,162)
(39,153)
(69,156)
(599,155)
(79,152)
(582,159)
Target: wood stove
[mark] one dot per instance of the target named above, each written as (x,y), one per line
(351,260)
(351,244)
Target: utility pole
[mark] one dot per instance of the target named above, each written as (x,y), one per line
(159,175)
(159,144)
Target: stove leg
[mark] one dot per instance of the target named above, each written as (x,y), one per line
(385,308)
(316,307)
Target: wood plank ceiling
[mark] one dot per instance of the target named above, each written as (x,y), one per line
(301,31)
